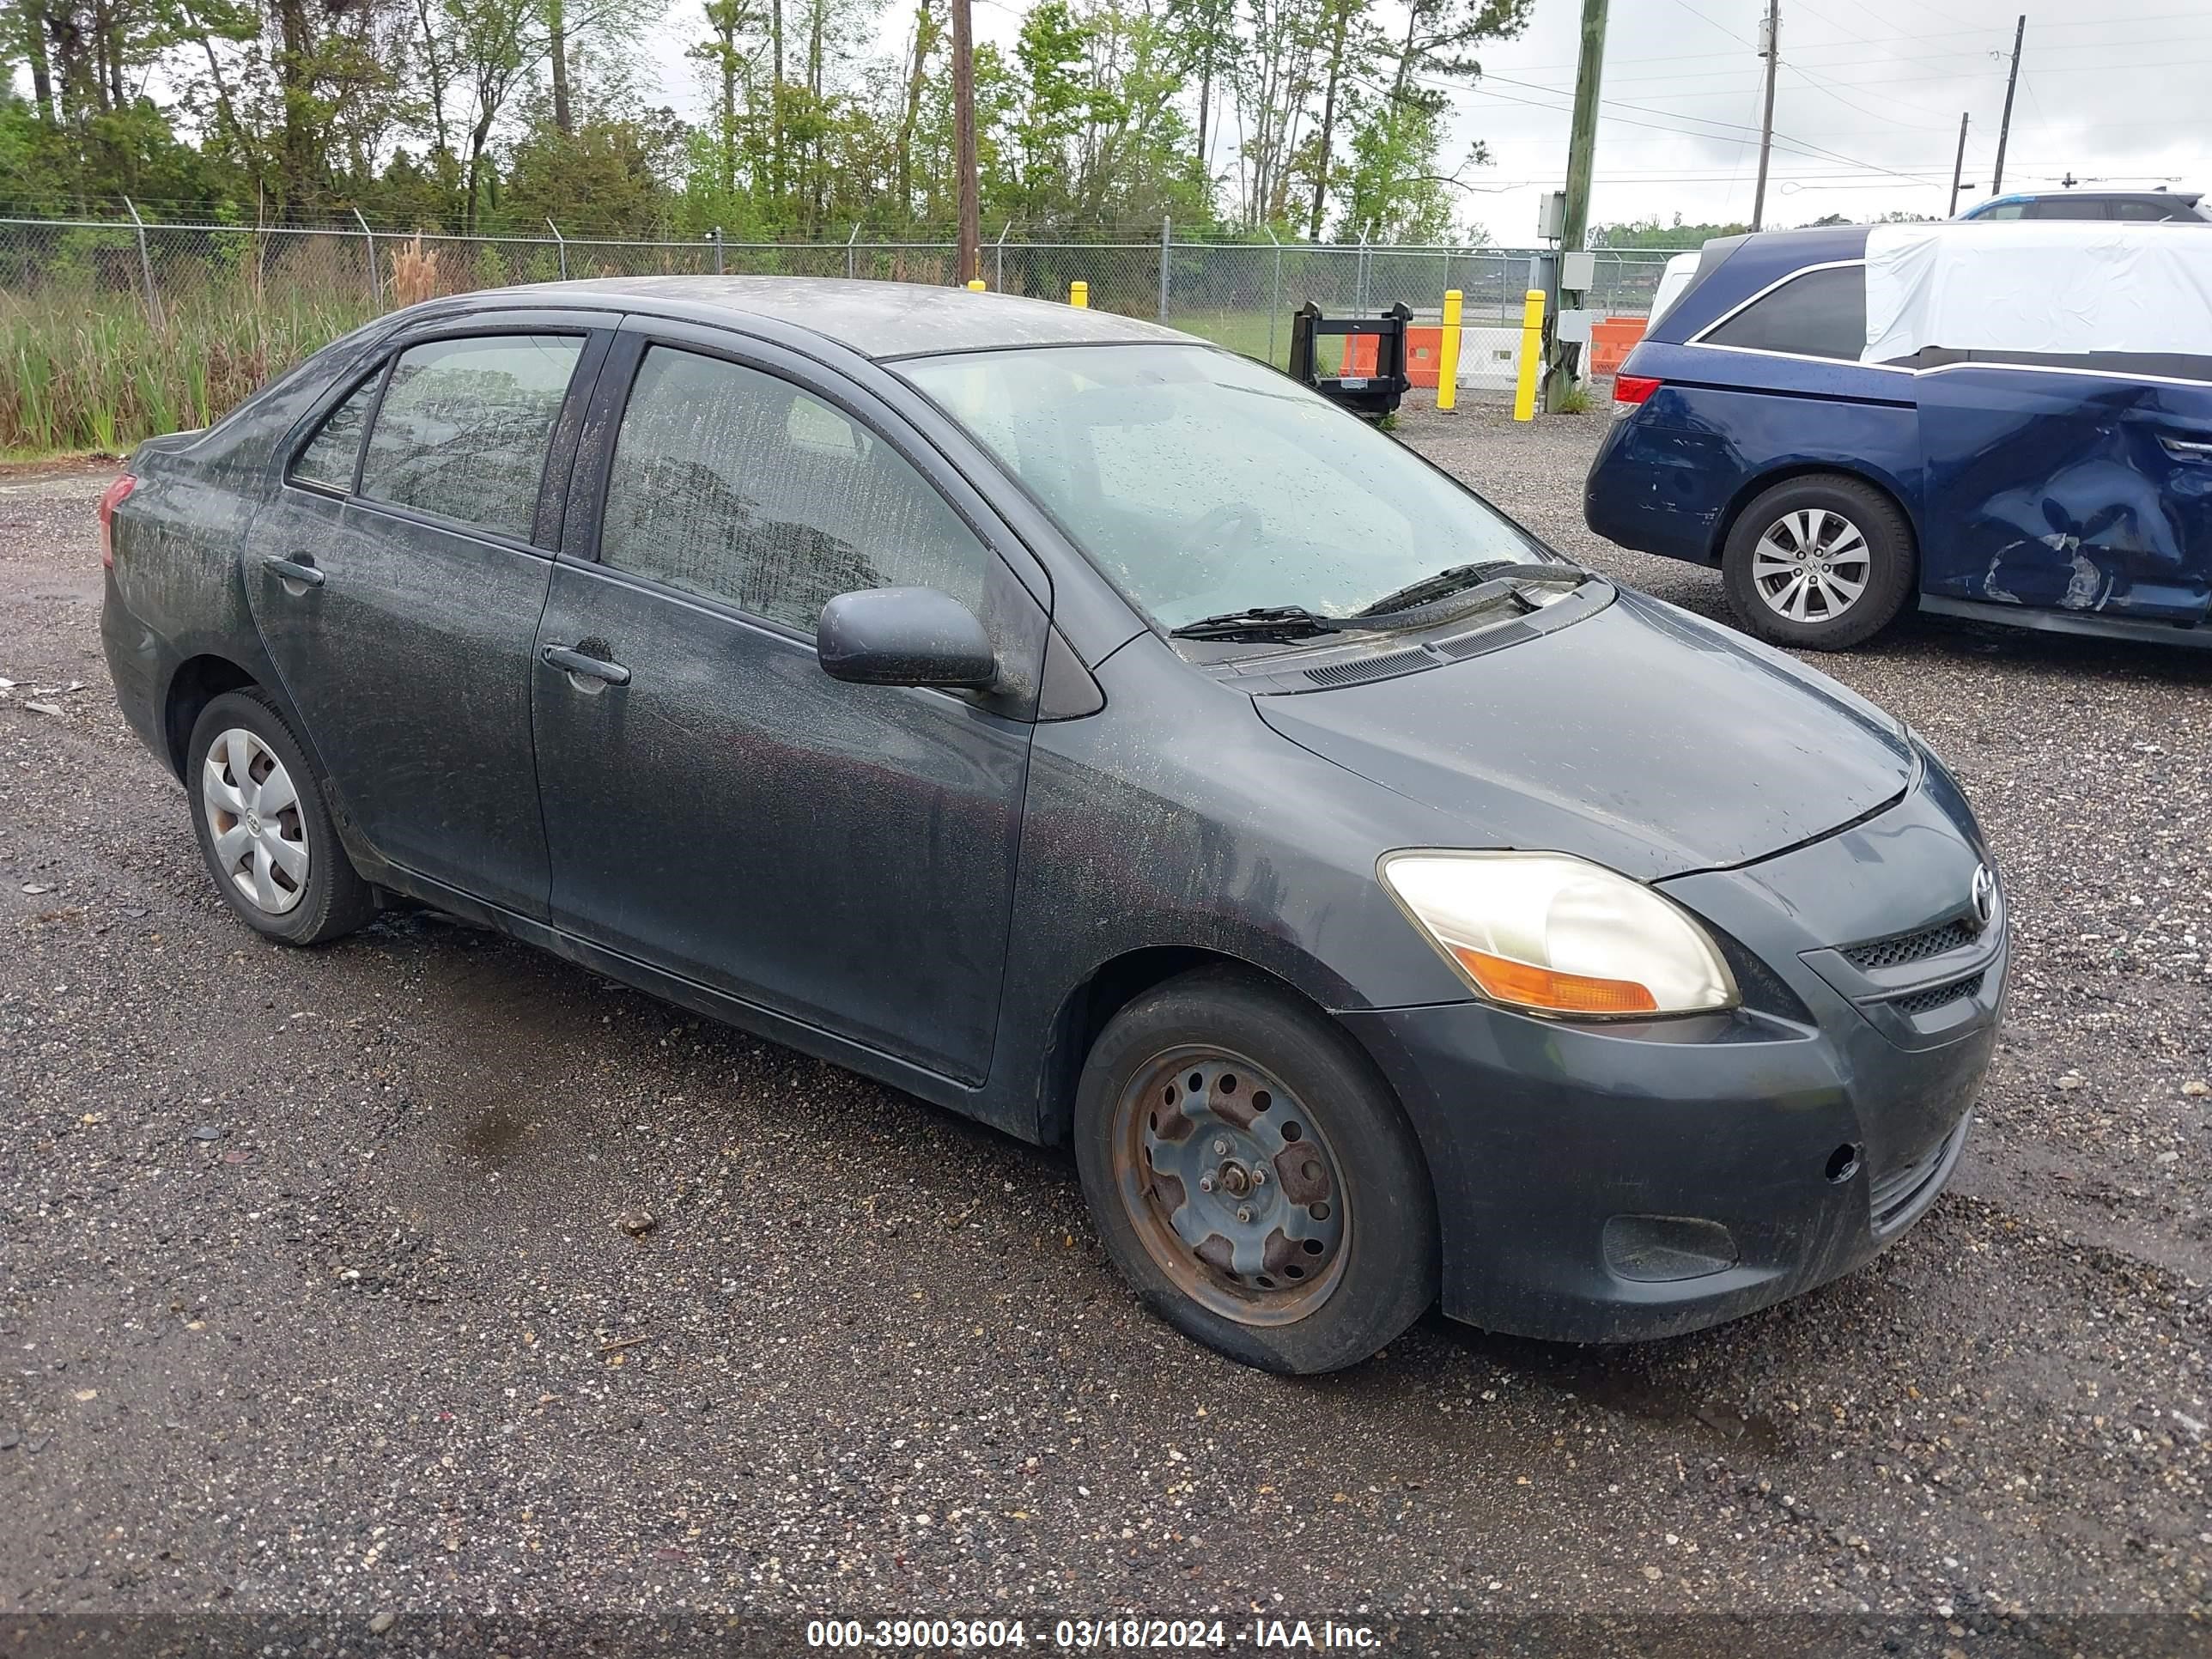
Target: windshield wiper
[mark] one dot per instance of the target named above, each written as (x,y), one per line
(1462,577)
(1263,621)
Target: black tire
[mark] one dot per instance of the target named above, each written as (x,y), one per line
(333,900)
(1381,1274)
(1891,569)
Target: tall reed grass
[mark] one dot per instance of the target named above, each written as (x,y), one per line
(94,371)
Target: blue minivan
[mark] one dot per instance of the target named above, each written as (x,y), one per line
(2005,470)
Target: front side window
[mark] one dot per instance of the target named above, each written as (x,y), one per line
(1821,313)
(464,427)
(731,483)
(330,456)
(2003,211)
(1201,483)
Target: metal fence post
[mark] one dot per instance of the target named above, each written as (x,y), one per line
(1167,229)
(1274,292)
(1359,276)
(562,242)
(998,280)
(718,250)
(145,265)
(375,276)
(851,269)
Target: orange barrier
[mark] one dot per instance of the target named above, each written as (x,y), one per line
(1424,346)
(1611,342)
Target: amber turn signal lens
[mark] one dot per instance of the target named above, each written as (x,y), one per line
(1531,987)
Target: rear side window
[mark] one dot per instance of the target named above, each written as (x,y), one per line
(736,485)
(330,455)
(2143,210)
(464,426)
(1821,313)
(2062,207)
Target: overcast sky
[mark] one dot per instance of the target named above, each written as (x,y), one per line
(1866,110)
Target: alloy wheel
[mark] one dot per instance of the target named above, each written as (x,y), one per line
(1232,1185)
(253,819)
(1811,565)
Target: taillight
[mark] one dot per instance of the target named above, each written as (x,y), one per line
(1630,391)
(108,502)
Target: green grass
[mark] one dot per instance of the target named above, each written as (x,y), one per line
(1244,331)
(87,369)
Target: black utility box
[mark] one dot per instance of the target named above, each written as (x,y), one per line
(1371,377)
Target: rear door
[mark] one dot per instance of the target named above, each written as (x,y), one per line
(2067,489)
(717,805)
(398,576)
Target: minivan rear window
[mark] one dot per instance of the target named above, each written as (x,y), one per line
(1818,313)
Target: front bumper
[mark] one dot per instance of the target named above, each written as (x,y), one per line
(1585,1173)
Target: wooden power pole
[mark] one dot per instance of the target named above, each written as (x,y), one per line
(1959,167)
(1581,142)
(1996,174)
(1770,43)
(1582,161)
(963,123)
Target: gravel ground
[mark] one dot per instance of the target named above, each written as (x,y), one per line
(315,1298)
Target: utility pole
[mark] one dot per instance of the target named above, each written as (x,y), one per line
(1959,167)
(1582,161)
(963,123)
(1770,31)
(2018,35)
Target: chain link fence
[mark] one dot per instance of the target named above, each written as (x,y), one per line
(112,329)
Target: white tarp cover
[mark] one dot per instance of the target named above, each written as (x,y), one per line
(2061,287)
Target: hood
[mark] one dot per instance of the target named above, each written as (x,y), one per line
(1643,737)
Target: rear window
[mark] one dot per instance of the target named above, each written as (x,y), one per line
(1819,314)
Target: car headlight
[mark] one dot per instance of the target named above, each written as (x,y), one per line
(1553,934)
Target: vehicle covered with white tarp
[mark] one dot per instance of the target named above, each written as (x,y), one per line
(2011,420)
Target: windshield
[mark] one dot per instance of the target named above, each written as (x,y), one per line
(1203,484)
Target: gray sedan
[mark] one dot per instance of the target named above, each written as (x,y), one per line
(1093,732)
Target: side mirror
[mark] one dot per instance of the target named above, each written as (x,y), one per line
(903,636)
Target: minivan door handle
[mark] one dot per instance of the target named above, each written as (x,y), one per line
(298,575)
(585,673)
(2187,449)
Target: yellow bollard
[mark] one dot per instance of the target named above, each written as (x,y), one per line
(1532,353)
(1079,295)
(975,284)
(1448,352)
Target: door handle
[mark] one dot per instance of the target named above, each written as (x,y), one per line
(298,575)
(581,668)
(2187,449)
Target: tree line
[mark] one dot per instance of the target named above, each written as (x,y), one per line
(1313,118)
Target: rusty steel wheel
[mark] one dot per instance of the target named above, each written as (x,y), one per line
(1252,1173)
(1231,1186)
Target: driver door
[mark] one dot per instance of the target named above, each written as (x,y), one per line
(716,804)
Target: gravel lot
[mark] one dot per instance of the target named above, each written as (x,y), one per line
(314,1298)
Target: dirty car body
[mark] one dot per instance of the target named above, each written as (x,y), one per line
(956,889)
(2050,448)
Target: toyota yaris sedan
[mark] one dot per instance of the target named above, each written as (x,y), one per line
(1095,732)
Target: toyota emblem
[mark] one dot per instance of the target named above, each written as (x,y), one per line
(1986,897)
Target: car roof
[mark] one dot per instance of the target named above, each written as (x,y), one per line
(2185,197)
(878,320)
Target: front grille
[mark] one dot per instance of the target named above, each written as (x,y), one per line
(1891,1195)
(1901,948)
(1937,996)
